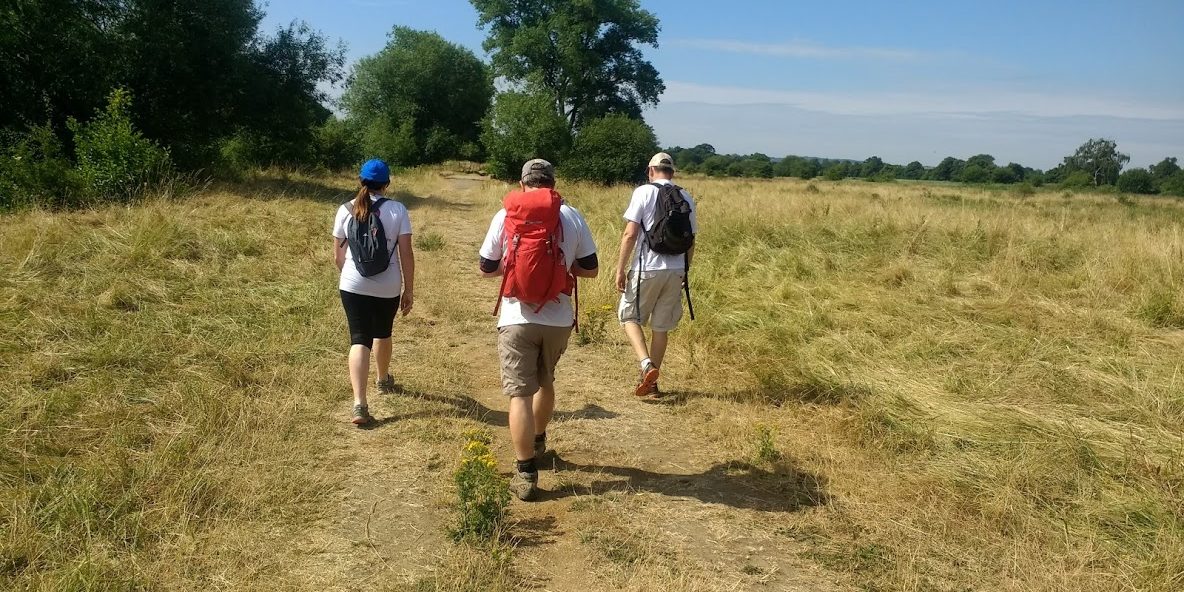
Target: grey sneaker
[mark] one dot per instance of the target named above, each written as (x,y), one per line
(540,448)
(525,486)
(362,415)
(386,385)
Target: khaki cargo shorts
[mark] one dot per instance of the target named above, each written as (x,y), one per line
(661,299)
(528,356)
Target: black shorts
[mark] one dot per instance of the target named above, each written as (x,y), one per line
(369,317)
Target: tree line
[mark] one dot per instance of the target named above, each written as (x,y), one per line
(106,98)
(1097,163)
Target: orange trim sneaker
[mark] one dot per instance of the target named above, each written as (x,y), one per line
(649,378)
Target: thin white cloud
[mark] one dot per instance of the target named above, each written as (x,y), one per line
(968,102)
(806,50)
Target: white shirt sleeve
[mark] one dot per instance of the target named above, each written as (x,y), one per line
(585,244)
(339,222)
(637,205)
(694,219)
(404,220)
(491,249)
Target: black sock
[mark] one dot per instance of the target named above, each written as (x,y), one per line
(527,466)
(540,437)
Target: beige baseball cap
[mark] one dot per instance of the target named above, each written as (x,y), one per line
(538,166)
(662,160)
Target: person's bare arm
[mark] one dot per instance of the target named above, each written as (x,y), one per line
(628,244)
(339,245)
(407,263)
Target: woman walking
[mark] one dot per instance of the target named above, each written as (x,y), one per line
(368,233)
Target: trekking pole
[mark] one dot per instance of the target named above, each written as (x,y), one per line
(686,286)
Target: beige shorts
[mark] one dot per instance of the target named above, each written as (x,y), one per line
(528,355)
(661,299)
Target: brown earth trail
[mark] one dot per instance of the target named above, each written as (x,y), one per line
(632,500)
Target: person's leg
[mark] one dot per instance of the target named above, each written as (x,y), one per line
(359,371)
(544,409)
(666,287)
(382,357)
(383,318)
(658,349)
(358,314)
(636,337)
(522,422)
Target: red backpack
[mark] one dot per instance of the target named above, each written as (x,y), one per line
(533,266)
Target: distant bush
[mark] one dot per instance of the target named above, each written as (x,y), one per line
(1173,185)
(115,161)
(337,145)
(1024,190)
(1077,180)
(520,127)
(1136,181)
(34,170)
(611,149)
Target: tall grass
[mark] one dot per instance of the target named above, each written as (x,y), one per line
(990,388)
(164,390)
(998,382)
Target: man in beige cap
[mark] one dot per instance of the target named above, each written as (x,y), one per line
(536,314)
(656,248)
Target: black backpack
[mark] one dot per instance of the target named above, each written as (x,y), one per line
(671,234)
(367,242)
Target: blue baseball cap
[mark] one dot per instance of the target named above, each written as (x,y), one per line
(375,170)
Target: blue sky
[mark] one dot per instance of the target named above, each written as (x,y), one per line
(906,80)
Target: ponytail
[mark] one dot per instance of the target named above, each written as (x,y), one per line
(362,203)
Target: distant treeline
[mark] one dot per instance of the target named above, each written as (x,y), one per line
(106,99)
(1097,163)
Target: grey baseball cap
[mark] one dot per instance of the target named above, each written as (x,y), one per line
(538,167)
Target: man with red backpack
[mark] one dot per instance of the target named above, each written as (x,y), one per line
(538,246)
(656,248)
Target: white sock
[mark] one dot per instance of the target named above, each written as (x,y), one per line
(646,362)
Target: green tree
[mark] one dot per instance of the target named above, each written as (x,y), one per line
(985,161)
(913,170)
(612,149)
(949,169)
(1100,159)
(520,127)
(1165,169)
(871,167)
(584,54)
(1137,181)
(1005,175)
(200,70)
(716,165)
(430,93)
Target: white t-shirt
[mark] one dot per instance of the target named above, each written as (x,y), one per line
(395,223)
(577,243)
(642,210)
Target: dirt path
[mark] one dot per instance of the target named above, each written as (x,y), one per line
(632,501)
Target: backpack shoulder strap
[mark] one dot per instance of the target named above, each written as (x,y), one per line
(378,203)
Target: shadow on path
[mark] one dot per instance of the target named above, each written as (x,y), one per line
(737,484)
(465,406)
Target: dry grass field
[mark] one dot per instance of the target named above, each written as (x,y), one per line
(888,387)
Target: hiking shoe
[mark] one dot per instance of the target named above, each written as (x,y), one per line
(649,378)
(525,486)
(386,385)
(362,415)
(540,448)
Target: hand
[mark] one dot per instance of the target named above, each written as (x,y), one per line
(407,302)
(621,281)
